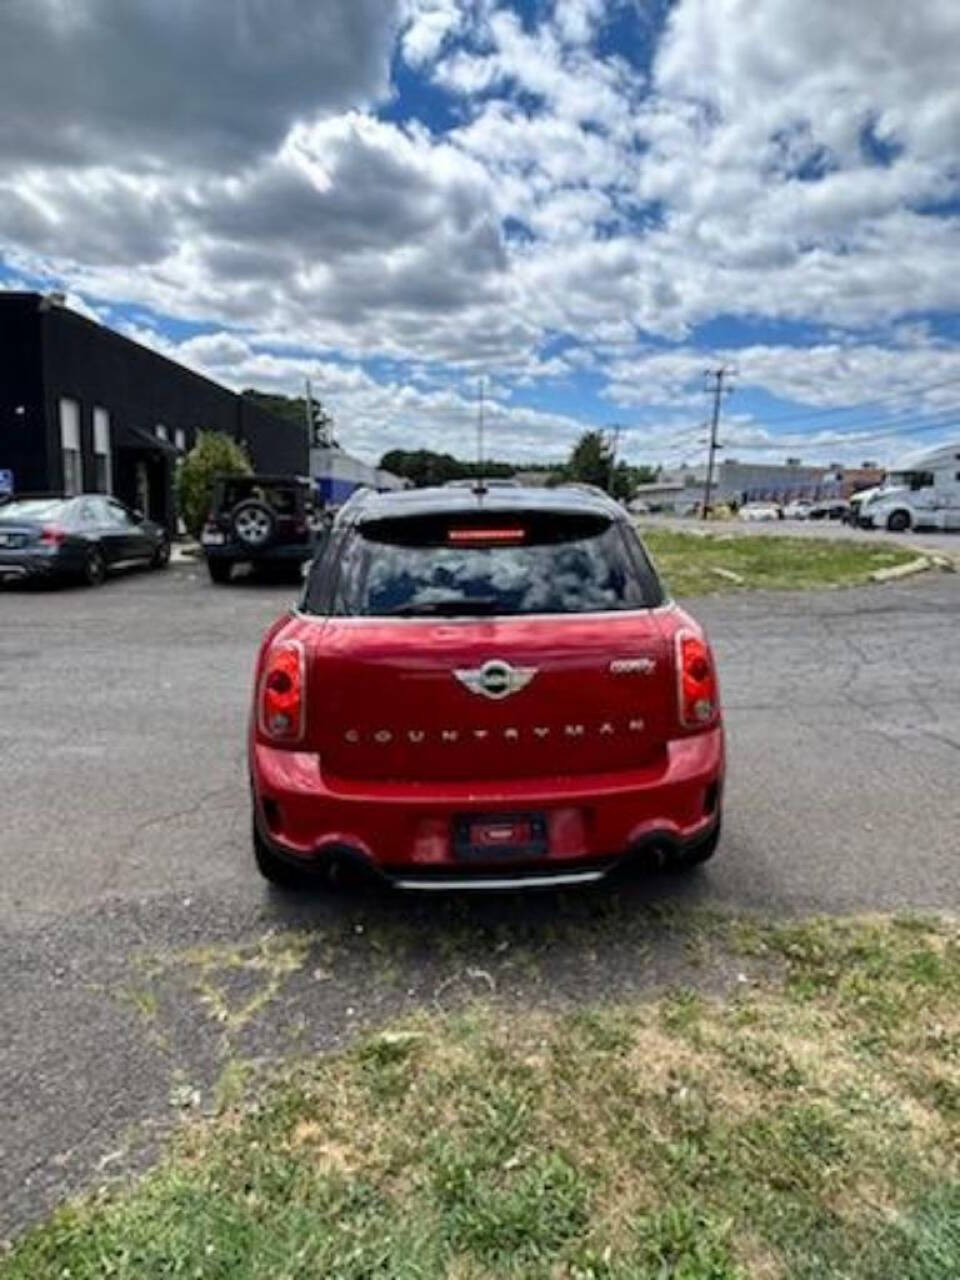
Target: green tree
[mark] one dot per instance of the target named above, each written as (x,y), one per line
(622,482)
(424,467)
(591,460)
(290,408)
(213,455)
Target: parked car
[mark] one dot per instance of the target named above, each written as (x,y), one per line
(259,520)
(484,691)
(836,509)
(798,509)
(84,538)
(753,511)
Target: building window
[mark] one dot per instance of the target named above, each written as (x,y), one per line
(180,440)
(101,451)
(70,447)
(161,431)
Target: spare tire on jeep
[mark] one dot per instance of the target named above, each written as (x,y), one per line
(253,523)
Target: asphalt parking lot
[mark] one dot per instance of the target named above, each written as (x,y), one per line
(133,925)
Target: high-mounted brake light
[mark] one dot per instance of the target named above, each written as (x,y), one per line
(484,537)
(697,681)
(282,694)
(51,535)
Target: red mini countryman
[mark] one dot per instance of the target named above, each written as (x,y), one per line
(484,688)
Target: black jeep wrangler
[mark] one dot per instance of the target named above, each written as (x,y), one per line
(261,521)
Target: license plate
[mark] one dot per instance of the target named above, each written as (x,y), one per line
(213,539)
(10,539)
(496,836)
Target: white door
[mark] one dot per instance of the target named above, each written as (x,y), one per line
(70,447)
(101,451)
(952,506)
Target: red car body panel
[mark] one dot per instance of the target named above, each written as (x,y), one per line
(396,749)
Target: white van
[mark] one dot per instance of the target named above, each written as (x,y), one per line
(921,492)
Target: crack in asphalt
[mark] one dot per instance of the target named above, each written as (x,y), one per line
(189,811)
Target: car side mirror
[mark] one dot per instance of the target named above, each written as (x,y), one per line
(138,516)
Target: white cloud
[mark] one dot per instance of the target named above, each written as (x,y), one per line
(375,414)
(429,24)
(577,20)
(784,163)
(210,83)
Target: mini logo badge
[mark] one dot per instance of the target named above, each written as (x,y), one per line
(496,678)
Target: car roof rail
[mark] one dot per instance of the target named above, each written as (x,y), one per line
(594,490)
(357,499)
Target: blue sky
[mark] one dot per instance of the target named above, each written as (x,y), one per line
(585,202)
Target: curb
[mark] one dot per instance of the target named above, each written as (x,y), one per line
(188,553)
(920,565)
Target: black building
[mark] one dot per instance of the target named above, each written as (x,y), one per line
(83,408)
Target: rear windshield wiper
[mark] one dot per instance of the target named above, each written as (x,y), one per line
(479,605)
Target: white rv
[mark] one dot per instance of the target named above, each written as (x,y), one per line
(921,492)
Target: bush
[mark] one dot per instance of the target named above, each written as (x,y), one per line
(213,455)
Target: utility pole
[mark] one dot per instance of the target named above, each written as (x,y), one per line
(483,388)
(614,450)
(308,409)
(718,376)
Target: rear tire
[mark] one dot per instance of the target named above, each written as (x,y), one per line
(274,869)
(161,557)
(220,571)
(699,853)
(898,521)
(94,568)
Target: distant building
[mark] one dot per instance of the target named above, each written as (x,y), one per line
(743,482)
(83,408)
(847,481)
(336,475)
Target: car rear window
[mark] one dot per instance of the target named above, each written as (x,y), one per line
(33,509)
(281,498)
(494,564)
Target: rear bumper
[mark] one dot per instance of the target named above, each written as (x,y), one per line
(403,832)
(27,564)
(284,553)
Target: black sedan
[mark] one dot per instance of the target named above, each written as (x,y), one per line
(83,538)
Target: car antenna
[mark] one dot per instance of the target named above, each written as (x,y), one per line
(480,488)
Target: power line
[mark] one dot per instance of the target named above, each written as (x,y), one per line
(905,425)
(808,415)
(935,422)
(813,416)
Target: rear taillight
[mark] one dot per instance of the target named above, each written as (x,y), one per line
(51,535)
(697,682)
(281,697)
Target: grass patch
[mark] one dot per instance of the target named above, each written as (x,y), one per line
(806,1126)
(689,562)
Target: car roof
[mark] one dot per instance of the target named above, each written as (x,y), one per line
(367,505)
